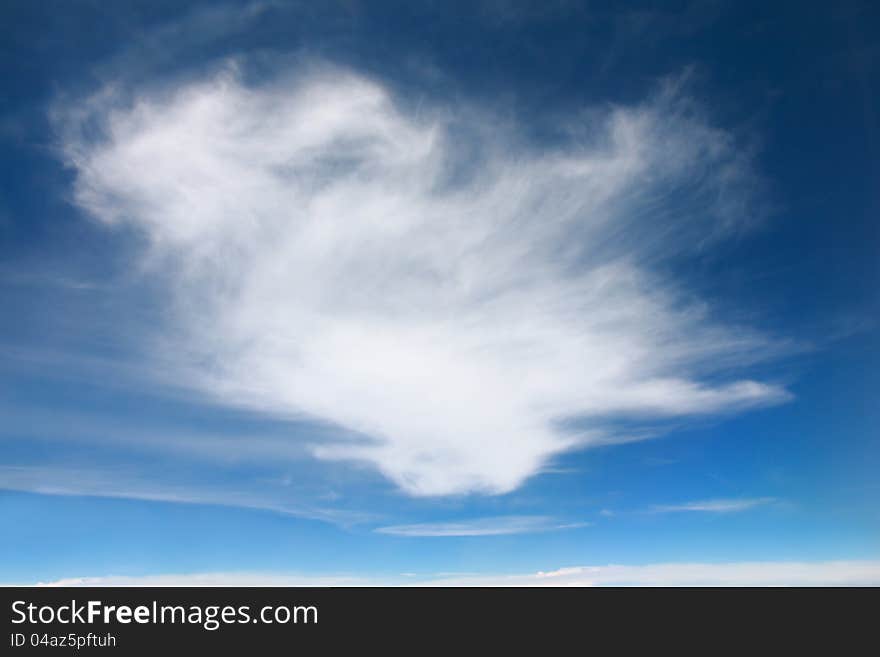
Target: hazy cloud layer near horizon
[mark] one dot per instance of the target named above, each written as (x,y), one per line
(745,573)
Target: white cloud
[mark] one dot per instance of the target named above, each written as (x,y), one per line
(496,526)
(427,279)
(756,573)
(715,506)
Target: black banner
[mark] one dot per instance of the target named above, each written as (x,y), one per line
(128,621)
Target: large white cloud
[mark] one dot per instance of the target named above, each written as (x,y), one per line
(455,295)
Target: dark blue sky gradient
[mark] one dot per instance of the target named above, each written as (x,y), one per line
(796,83)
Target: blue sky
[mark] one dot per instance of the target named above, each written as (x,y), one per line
(439,292)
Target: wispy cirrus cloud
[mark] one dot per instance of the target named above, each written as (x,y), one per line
(118,483)
(731,505)
(495,526)
(465,302)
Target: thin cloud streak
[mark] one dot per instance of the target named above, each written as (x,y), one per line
(715,506)
(497,526)
(455,296)
(49,480)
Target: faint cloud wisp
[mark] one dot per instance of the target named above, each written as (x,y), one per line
(715,506)
(498,526)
